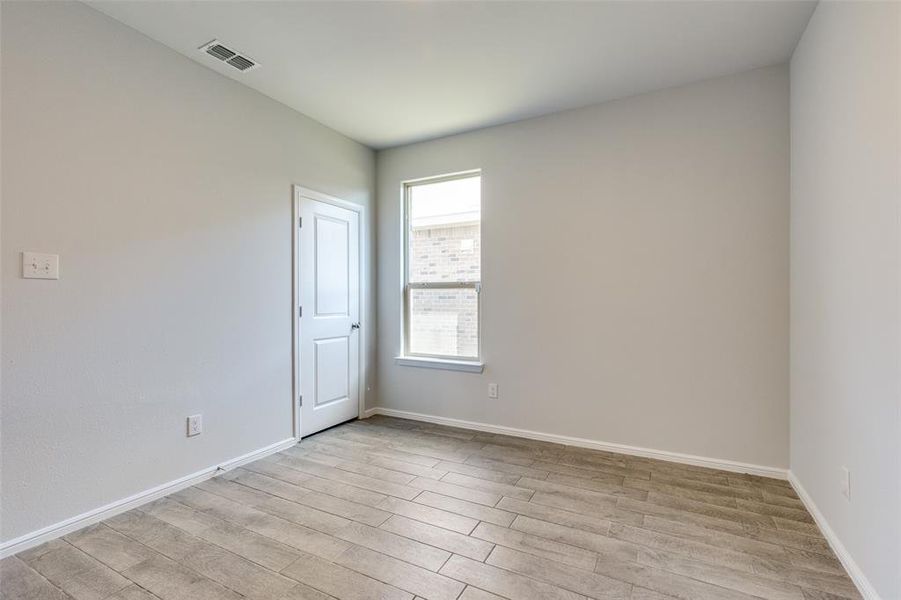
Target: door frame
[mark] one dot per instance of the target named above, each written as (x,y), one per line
(300,192)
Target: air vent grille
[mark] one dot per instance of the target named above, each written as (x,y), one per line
(241,62)
(229,56)
(220,52)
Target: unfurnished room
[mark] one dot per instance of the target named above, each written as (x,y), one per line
(450,300)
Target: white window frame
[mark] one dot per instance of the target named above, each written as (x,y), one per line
(407,358)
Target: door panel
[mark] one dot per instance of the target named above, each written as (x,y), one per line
(329,289)
(331,248)
(332,370)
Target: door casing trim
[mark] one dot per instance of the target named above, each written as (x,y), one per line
(300,192)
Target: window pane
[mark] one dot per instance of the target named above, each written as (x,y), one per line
(445,231)
(444,322)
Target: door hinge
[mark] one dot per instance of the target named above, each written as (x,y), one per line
(299,311)
(299,221)
(300,401)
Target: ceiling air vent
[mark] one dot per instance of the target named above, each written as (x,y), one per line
(227,55)
(241,63)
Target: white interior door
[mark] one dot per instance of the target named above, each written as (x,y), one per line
(329,294)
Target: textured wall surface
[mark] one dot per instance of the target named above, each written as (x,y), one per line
(846,278)
(634,271)
(166,189)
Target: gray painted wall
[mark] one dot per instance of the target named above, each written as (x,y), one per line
(845,276)
(635,272)
(166,190)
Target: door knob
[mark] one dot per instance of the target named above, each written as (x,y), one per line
(355,326)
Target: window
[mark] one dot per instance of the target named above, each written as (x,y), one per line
(442,267)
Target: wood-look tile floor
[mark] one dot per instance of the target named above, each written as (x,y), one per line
(387,508)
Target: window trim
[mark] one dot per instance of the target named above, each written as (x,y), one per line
(467,366)
(407,358)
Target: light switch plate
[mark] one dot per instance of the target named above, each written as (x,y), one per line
(40,266)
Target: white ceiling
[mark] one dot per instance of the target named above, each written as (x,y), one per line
(390,73)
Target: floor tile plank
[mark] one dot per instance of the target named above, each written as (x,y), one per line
(170,581)
(465,508)
(427,514)
(459,492)
(251,545)
(414,552)
(607,546)
(78,574)
(611,510)
(666,582)
(471,593)
(502,582)
(502,467)
(479,472)
(354,479)
(280,530)
(555,515)
(639,536)
(424,583)
(18,581)
(713,537)
(315,500)
(723,576)
(109,546)
(341,582)
(454,543)
(491,487)
(570,578)
(535,545)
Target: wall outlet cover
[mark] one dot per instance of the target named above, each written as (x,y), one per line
(40,266)
(492,390)
(195,425)
(846,483)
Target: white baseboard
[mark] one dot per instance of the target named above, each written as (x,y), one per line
(688,459)
(863,584)
(369,412)
(35,538)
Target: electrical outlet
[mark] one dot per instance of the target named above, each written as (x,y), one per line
(846,483)
(492,390)
(40,266)
(195,425)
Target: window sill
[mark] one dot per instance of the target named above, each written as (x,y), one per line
(468,366)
